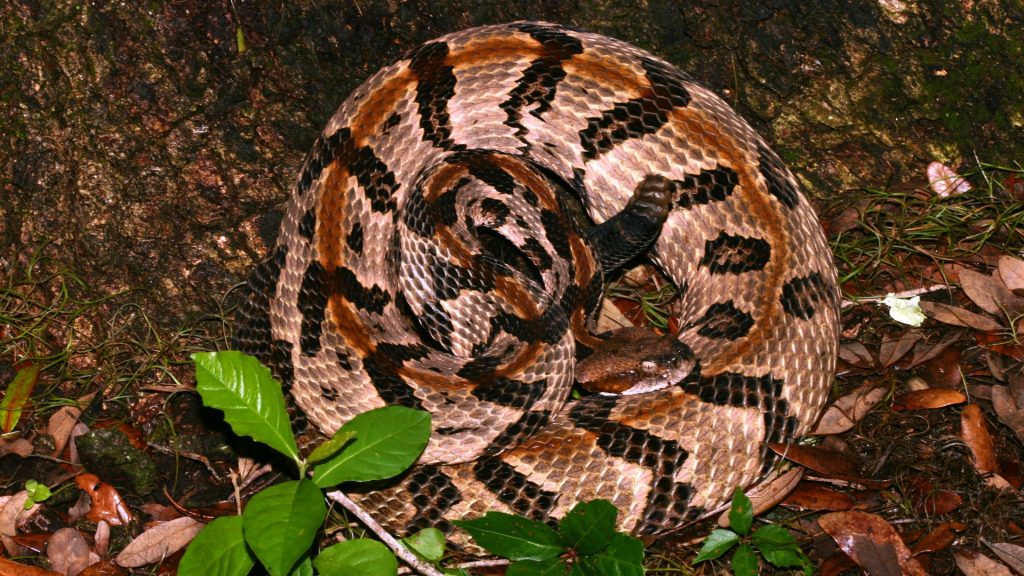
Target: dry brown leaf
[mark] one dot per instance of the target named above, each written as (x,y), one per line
(69,553)
(159,542)
(1011,272)
(871,542)
(817,496)
(769,492)
(924,351)
(973,563)
(104,568)
(990,294)
(1009,412)
(856,354)
(20,446)
(928,399)
(11,568)
(926,499)
(60,425)
(821,460)
(845,412)
(975,434)
(938,539)
(1011,554)
(107,504)
(892,349)
(956,316)
(12,513)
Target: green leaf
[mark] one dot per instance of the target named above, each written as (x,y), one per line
(513,537)
(17,394)
(250,398)
(218,550)
(717,543)
(623,557)
(361,557)
(550,567)
(785,558)
(744,562)
(589,526)
(281,521)
(427,543)
(772,537)
(331,447)
(741,514)
(304,568)
(388,440)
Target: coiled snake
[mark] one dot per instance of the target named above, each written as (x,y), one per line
(426,259)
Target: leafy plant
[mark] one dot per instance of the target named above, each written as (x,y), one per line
(585,544)
(774,543)
(37,492)
(279,525)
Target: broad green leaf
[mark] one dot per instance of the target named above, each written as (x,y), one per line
(513,537)
(218,550)
(589,526)
(741,514)
(623,557)
(17,395)
(428,543)
(744,561)
(772,537)
(388,440)
(250,398)
(330,447)
(785,558)
(550,567)
(361,557)
(717,543)
(304,568)
(281,521)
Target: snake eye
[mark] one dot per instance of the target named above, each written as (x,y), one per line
(649,366)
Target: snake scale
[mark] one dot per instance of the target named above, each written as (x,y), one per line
(426,259)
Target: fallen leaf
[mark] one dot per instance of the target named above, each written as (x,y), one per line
(944,181)
(107,504)
(69,553)
(938,539)
(925,351)
(892,349)
(857,354)
(17,395)
(928,399)
(975,434)
(1008,411)
(943,371)
(871,542)
(104,568)
(821,460)
(13,513)
(845,412)
(769,492)
(1011,273)
(1000,345)
(990,294)
(956,316)
(835,565)
(159,542)
(973,563)
(11,568)
(926,499)
(60,425)
(1011,554)
(817,496)
(20,446)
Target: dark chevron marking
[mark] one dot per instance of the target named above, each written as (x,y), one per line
(433,494)
(539,82)
(708,186)
(801,295)
(638,116)
(435,87)
(343,281)
(735,254)
(724,320)
(776,176)
(513,488)
(354,239)
(667,502)
(312,303)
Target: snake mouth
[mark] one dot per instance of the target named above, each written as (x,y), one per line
(635,361)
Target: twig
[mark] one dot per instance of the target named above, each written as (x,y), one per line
(400,550)
(904,294)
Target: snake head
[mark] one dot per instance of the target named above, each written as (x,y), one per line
(634,361)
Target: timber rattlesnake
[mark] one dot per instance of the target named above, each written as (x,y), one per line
(388,283)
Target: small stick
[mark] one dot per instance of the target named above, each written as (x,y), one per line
(904,294)
(397,547)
